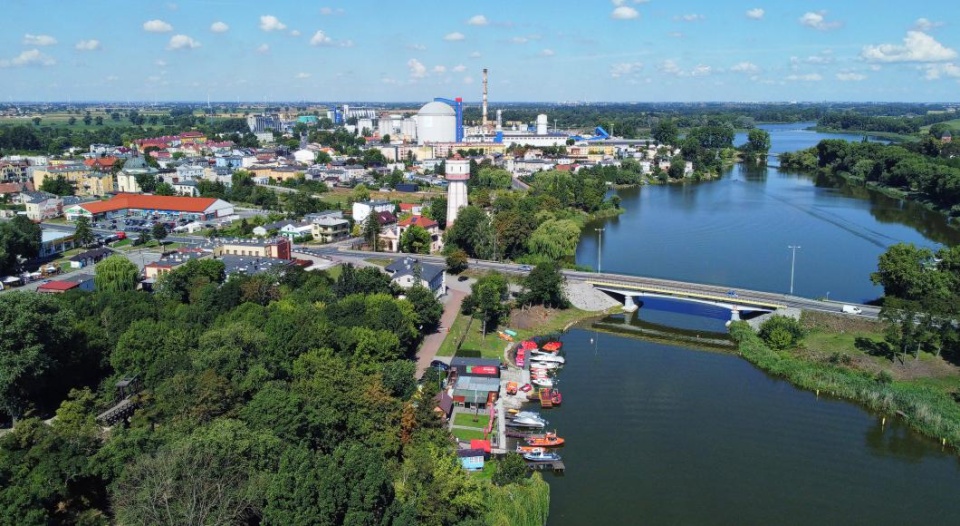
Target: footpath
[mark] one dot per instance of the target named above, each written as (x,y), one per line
(431,344)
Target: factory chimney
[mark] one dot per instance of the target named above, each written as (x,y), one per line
(483,122)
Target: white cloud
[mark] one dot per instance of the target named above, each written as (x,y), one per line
(320,39)
(88,45)
(917,47)
(850,76)
(625,68)
(302,75)
(818,20)
(219,27)
(809,77)
(38,40)
(271,23)
(459,68)
(547,52)
(417,69)
(745,67)
(157,26)
(755,13)
(417,47)
(936,71)
(701,70)
(439,69)
(160,63)
(454,37)
(925,25)
(327,11)
(519,40)
(30,57)
(676,34)
(263,48)
(478,20)
(468,80)
(475,54)
(693,17)
(670,67)
(182,42)
(624,13)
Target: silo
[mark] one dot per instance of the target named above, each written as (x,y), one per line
(436,122)
(542,124)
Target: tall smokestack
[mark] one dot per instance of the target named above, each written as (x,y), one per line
(483,122)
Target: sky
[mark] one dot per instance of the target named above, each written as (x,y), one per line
(536,50)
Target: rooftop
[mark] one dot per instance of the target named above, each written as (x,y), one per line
(151,202)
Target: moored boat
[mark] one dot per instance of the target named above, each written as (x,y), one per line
(542,382)
(547,358)
(549,439)
(527,421)
(541,456)
(556,397)
(552,346)
(529,449)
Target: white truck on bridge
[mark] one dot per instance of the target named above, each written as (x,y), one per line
(850,309)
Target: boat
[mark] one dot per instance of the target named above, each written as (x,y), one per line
(544,365)
(526,387)
(551,346)
(546,400)
(541,352)
(556,397)
(521,358)
(542,382)
(547,358)
(536,371)
(529,449)
(549,439)
(541,456)
(511,388)
(512,412)
(527,422)
(528,345)
(529,414)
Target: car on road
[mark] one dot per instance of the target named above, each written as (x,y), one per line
(525,268)
(438,364)
(462,278)
(732,293)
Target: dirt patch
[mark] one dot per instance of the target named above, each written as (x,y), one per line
(829,322)
(530,318)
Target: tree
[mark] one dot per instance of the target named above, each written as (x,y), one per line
(159,232)
(147,182)
(36,121)
(19,238)
(544,286)
(371,230)
(415,240)
(164,189)
(35,334)
(427,309)
(758,141)
(457,261)
(472,233)
(438,211)
(83,234)
(98,120)
(781,332)
(72,120)
(116,274)
(487,298)
(511,469)
(901,271)
(555,239)
(360,193)
(58,185)
(301,203)
(665,132)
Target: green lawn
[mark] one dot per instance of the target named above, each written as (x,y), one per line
(466,420)
(487,472)
(468,434)
(334,271)
(379,261)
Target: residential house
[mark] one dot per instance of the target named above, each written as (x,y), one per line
(187,188)
(391,236)
(168,262)
(190,172)
(271,248)
(90,257)
(411,208)
(41,206)
(330,229)
(471,459)
(83,282)
(134,167)
(84,180)
(362,209)
(409,271)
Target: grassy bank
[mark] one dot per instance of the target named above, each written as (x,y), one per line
(894,137)
(927,407)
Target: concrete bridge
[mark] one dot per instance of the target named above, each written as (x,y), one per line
(730,300)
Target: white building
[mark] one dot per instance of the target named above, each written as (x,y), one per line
(458,172)
(436,122)
(363,209)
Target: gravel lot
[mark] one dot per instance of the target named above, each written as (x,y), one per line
(584,297)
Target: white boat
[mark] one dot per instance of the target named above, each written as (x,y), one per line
(547,358)
(541,456)
(545,365)
(542,382)
(529,414)
(527,422)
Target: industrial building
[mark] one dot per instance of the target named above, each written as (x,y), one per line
(124,205)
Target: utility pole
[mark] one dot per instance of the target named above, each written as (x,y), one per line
(599,247)
(793,264)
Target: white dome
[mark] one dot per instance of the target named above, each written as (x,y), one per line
(437,108)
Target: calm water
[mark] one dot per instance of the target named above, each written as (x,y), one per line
(660,433)
(735,231)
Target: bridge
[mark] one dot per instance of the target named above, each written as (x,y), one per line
(746,300)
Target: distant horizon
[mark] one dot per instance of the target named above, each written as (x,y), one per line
(472,103)
(536,50)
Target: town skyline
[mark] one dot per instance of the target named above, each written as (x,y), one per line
(620,50)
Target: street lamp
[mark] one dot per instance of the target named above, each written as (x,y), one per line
(599,247)
(793,263)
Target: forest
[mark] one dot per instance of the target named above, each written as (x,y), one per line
(265,399)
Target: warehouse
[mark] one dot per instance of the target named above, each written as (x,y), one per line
(137,205)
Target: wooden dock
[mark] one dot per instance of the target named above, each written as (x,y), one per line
(556,466)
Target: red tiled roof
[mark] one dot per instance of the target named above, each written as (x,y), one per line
(406,207)
(150,202)
(419,221)
(10,188)
(58,285)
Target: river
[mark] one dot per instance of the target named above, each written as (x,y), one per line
(665,433)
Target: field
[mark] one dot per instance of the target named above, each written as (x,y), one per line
(467,420)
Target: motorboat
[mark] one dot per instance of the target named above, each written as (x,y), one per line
(541,456)
(529,449)
(529,414)
(547,358)
(552,346)
(541,352)
(542,382)
(512,388)
(549,439)
(556,397)
(527,422)
(545,365)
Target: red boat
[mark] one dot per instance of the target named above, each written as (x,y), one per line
(547,440)
(556,397)
(528,345)
(552,346)
(526,387)
(521,357)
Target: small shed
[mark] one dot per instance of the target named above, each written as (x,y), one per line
(476,367)
(471,459)
(90,257)
(444,403)
(474,391)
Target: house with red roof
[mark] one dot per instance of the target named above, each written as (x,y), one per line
(392,235)
(195,208)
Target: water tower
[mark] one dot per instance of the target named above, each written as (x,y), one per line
(458,172)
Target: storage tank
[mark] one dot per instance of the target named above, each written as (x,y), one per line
(436,122)
(542,124)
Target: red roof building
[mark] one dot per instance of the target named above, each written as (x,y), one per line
(101,164)
(420,221)
(57,287)
(196,207)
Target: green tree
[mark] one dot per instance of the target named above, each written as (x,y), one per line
(457,261)
(116,274)
(665,132)
(511,469)
(901,271)
(555,239)
(758,141)
(438,211)
(19,238)
(427,309)
(35,335)
(781,332)
(83,234)
(72,120)
(301,203)
(415,240)
(472,233)
(58,185)
(487,298)
(164,189)
(371,230)
(360,193)
(544,286)
(159,232)
(36,121)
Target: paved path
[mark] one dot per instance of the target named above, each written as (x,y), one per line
(431,344)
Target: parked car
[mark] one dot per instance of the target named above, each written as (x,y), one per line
(437,364)
(525,268)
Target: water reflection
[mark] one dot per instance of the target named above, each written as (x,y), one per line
(895,439)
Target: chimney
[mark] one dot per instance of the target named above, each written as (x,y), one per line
(483,122)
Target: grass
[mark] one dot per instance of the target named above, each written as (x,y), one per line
(121,243)
(382,262)
(467,420)
(468,434)
(334,272)
(489,468)
(449,345)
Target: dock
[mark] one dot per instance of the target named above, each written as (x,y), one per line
(556,466)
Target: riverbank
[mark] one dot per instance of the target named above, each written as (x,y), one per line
(926,406)
(892,137)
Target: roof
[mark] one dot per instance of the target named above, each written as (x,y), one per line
(420,221)
(468,362)
(436,108)
(59,285)
(444,402)
(386,218)
(483,384)
(92,254)
(405,266)
(151,202)
(469,453)
(250,265)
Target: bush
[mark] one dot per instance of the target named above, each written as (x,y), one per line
(781,332)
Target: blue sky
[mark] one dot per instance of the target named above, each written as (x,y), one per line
(536,50)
